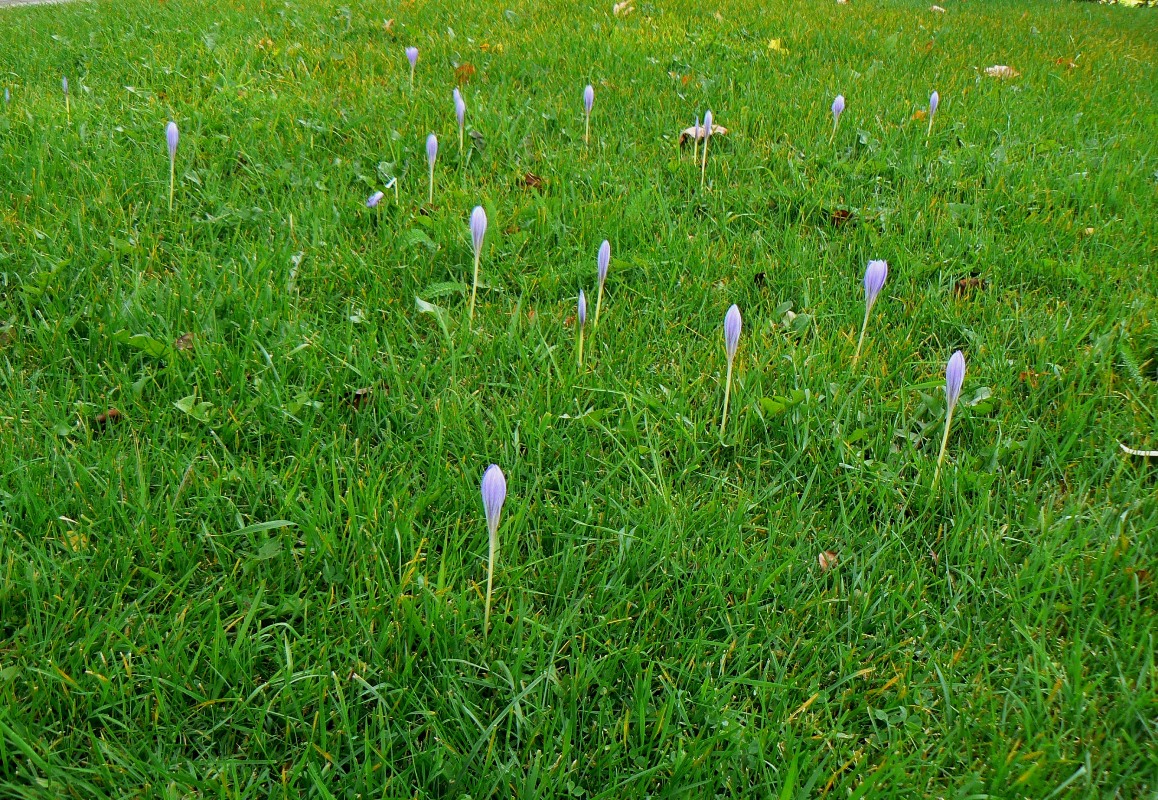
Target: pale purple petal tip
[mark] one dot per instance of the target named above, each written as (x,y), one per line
(494,494)
(171,136)
(374,199)
(954,377)
(412,55)
(478,227)
(934,101)
(64,84)
(589,97)
(732,325)
(604,260)
(431,148)
(874,279)
(707,124)
(582,310)
(838,105)
(459,107)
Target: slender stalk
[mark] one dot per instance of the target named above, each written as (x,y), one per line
(832,138)
(431,200)
(67,110)
(696,145)
(944,444)
(587,131)
(412,77)
(460,141)
(172,178)
(929,132)
(580,346)
(859,344)
(490,577)
(474,286)
(727,397)
(598,303)
(704,163)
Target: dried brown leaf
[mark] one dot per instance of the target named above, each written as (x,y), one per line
(184,342)
(360,397)
(464,72)
(966,286)
(698,132)
(531,181)
(106,418)
(827,560)
(1001,71)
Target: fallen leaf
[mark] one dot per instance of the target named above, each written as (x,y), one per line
(840,216)
(936,559)
(920,114)
(1001,71)
(1088,232)
(477,140)
(388,25)
(623,8)
(1068,63)
(464,72)
(827,560)
(7,335)
(1031,377)
(697,132)
(1142,453)
(360,397)
(1143,575)
(110,417)
(760,278)
(938,9)
(967,285)
(775,46)
(531,181)
(184,342)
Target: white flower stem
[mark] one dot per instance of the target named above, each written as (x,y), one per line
(172,178)
(944,444)
(587,130)
(580,345)
(860,343)
(494,541)
(727,397)
(474,286)
(431,200)
(704,163)
(598,303)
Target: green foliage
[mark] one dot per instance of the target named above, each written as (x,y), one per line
(263,575)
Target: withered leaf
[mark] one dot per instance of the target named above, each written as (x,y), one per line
(760,278)
(184,342)
(840,216)
(699,131)
(1001,71)
(360,397)
(967,285)
(531,181)
(106,418)
(827,560)
(464,72)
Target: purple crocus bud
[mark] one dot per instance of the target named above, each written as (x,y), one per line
(459,107)
(589,98)
(934,101)
(431,149)
(604,261)
(707,126)
(374,199)
(954,377)
(494,494)
(171,137)
(7,96)
(64,84)
(582,311)
(412,56)
(838,106)
(874,279)
(732,331)
(478,227)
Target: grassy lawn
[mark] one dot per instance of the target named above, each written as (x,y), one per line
(242,546)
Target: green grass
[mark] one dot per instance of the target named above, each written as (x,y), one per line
(255,583)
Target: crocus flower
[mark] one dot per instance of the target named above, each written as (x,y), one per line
(934,101)
(707,138)
(431,157)
(581,319)
(478,229)
(604,263)
(412,57)
(494,494)
(732,324)
(373,200)
(460,113)
(954,377)
(588,104)
(64,84)
(171,136)
(67,109)
(874,279)
(837,110)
